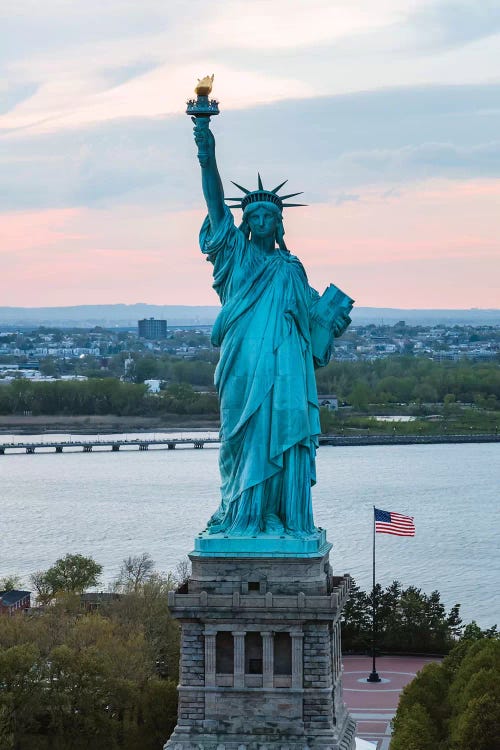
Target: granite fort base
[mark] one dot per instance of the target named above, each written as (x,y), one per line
(260,653)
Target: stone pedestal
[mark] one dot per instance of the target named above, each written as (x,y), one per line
(260,653)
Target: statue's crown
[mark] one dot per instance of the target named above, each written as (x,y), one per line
(261,195)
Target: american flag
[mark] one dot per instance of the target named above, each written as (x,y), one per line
(393,523)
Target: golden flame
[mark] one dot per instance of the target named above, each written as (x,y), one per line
(204,87)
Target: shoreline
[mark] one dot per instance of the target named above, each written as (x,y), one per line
(406,439)
(116,425)
(109,424)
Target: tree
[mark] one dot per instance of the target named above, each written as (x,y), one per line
(147,608)
(134,572)
(455,704)
(356,620)
(414,730)
(407,620)
(182,571)
(360,396)
(70,679)
(73,573)
(48,367)
(44,591)
(7,583)
(479,726)
(20,696)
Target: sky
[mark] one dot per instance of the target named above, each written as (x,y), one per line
(386,113)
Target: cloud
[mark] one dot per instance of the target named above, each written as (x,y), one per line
(422,161)
(329,147)
(449,24)
(11,95)
(346,198)
(438,243)
(92,62)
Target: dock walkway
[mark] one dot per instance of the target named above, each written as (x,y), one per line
(87,445)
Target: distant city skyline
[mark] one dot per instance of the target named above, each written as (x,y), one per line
(386,115)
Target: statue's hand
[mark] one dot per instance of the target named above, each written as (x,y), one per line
(204,139)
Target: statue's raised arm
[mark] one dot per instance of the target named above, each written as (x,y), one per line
(202,109)
(210,178)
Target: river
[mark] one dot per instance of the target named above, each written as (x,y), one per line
(111,505)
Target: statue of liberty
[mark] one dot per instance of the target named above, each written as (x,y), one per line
(273,330)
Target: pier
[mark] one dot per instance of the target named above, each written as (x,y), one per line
(167,443)
(88,445)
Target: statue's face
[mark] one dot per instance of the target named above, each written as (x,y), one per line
(263,222)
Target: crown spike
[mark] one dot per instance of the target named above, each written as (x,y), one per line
(275,190)
(292,205)
(261,186)
(243,190)
(291,195)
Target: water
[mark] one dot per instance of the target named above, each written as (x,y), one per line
(111,505)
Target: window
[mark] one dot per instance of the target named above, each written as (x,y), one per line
(282,653)
(253,586)
(253,653)
(224,652)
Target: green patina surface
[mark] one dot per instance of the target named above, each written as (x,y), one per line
(274,329)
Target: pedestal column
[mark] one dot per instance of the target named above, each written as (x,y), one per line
(267,659)
(297,659)
(239,658)
(210,657)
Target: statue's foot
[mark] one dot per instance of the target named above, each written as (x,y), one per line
(273,524)
(299,533)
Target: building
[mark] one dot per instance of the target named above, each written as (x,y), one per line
(150,328)
(153,385)
(14,601)
(329,401)
(92,600)
(261,662)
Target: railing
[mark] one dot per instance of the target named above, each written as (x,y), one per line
(87,446)
(268,601)
(143,444)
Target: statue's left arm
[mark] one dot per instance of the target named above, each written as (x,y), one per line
(329,318)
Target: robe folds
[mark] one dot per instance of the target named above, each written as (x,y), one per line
(266,386)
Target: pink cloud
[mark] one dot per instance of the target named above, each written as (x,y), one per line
(435,245)
(26,230)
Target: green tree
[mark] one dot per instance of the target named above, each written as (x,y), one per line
(413,730)
(455,703)
(21,697)
(48,367)
(7,583)
(407,620)
(356,621)
(106,680)
(73,573)
(360,395)
(479,725)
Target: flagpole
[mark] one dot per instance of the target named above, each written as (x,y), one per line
(373,676)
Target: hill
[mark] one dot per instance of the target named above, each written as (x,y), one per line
(119,315)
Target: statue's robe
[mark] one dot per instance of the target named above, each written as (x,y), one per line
(266,386)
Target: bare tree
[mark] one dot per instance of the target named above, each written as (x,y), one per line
(182,571)
(134,572)
(44,590)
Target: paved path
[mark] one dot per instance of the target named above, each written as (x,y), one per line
(374,705)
